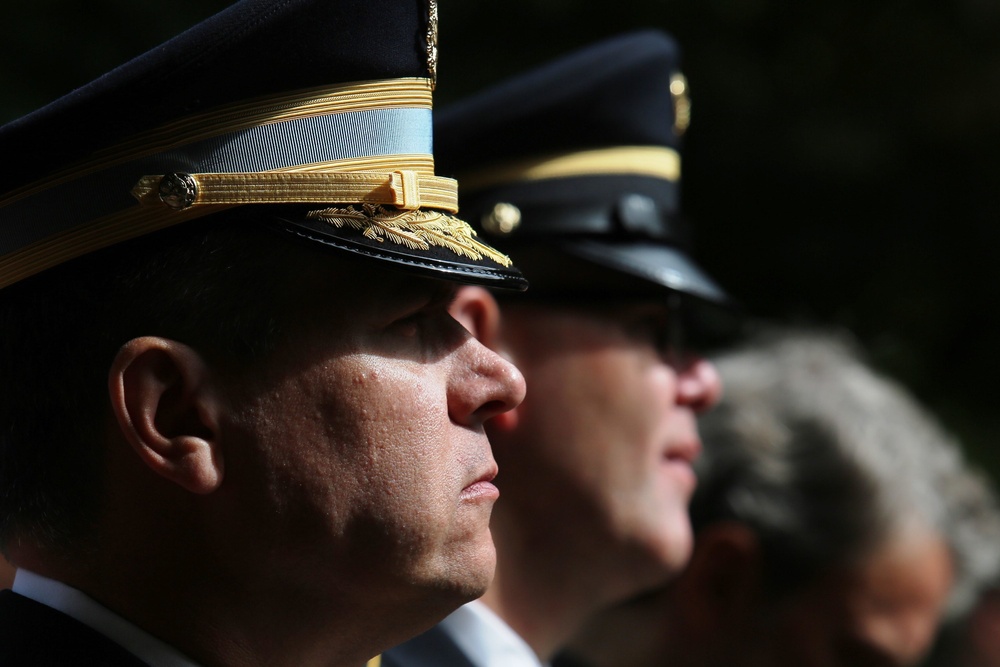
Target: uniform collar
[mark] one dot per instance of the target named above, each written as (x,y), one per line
(486,639)
(75,604)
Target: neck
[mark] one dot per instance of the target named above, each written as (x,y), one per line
(184,568)
(642,631)
(213,626)
(177,579)
(542,589)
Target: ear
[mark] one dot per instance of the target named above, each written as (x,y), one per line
(476,309)
(720,587)
(168,412)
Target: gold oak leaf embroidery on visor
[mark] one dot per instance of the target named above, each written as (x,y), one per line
(417,230)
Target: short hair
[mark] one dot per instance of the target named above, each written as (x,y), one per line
(216,284)
(824,459)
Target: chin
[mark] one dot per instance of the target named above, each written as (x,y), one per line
(673,546)
(479,567)
(464,574)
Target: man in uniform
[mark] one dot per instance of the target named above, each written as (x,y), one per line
(574,170)
(238,425)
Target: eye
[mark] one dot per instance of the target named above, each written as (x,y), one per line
(425,319)
(422,327)
(653,329)
(413,325)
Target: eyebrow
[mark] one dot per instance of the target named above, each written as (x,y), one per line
(438,295)
(442,295)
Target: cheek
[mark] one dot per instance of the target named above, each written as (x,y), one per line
(351,434)
(401,437)
(630,414)
(601,419)
(610,389)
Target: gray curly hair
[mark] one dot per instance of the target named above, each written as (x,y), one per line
(825,460)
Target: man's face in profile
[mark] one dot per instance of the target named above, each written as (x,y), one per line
(607,434)
(365,453)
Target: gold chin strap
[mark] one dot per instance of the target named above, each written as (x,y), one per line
(374,662)
(656,161)
(404,189)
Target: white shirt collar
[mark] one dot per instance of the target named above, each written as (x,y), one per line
(486,639)
(73,603)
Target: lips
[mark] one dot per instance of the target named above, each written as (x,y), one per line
(482,488)
(685,451)
(678,460)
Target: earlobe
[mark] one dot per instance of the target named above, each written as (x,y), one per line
(168,411)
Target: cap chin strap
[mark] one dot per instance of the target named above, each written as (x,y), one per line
(404,189)
(655,161)
(364,148)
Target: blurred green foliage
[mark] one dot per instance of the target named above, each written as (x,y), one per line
(842,167)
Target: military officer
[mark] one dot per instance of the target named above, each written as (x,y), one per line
(574,170)
(238,425)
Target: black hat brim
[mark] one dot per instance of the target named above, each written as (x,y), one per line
(433,262)
(585,269)
(711,317)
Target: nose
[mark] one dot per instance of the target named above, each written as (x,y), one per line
(698,384)
(483,385)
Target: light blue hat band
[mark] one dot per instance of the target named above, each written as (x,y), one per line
(272,146)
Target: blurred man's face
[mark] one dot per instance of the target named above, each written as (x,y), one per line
(884,612)
(601,453)
(364,462)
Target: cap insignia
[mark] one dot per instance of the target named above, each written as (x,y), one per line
(416,230)
(502,219)
(178,191)
(682,103)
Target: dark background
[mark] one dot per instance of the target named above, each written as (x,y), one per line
(841,168)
